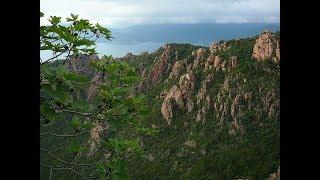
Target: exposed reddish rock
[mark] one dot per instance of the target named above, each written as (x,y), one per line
(81,65)
(200,53)
(167,108)
(266,47)
(176,69)
(217,62)
(203,110)
(161,66)
(201,95)
(177,95)
(214,47)
(187,84)
(209,63)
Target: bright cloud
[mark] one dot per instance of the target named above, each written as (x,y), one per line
(121,13)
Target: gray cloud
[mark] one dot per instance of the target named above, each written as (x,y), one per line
(130,12)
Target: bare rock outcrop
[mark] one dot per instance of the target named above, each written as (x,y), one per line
(214,47)
(217,63)
(173,97)
(161,66)
(267,47)
(199,53)
(179,95)
(166,110)
(201,95)
(128,56)
(213,62)
(176,69)
(176,94)
(271,103)
(187,84)
(204,101)
(81,65)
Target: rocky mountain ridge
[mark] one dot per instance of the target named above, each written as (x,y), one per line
(266,47)
(233,85)
(217,108)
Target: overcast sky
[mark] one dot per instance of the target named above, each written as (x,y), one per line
(122,13)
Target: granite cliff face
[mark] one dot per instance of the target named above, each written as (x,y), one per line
(230,86)
(160,67)
(267,47)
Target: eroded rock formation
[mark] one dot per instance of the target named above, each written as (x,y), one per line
(161,66)
(173,97)
(267,47)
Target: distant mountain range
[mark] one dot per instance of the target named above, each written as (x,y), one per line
(202,33)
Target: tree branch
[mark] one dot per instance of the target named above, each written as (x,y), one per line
(63,135)
(68,163)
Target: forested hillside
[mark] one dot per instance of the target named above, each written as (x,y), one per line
(216,109)
(181,112)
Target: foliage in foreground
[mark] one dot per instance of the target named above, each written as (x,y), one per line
(77,134)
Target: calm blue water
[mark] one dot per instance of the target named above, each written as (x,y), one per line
(117,49)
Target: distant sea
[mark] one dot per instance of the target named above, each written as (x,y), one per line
(141,38)
(120,49)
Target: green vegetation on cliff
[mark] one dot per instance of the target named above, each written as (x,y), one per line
(243,144)
(181,112)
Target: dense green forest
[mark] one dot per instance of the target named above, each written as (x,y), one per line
(181,112)
(252,151)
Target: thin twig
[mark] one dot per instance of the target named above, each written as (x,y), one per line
(63,135)
(50,173)
(78,173)
(65,162)
(54,57)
